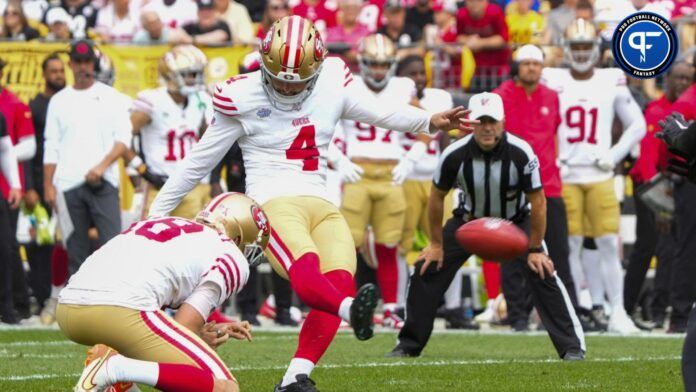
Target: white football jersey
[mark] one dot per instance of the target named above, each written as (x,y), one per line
(587,110)
(372,142)
(434,100)
(173,129)
(157,263)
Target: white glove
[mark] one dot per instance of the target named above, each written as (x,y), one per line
(605,161)
(401,171)
(349,171)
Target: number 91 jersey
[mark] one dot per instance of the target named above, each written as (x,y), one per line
(587,110)
(173,129)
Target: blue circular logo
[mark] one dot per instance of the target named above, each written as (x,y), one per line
(645,45)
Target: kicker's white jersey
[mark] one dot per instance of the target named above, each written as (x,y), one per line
(285,152)
(434,100)
(158,263)
(372,142)
(587,110)
(173,128)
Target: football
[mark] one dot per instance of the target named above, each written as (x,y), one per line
(493,239)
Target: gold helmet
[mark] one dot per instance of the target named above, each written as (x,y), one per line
(581,45)
(242,220)
(292,52)
(377,59)
(182,69)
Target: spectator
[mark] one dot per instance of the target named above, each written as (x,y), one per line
(21,131)
(237,18)
(526,26)
(14,24)
(8,168)
(396,28)
(58,22)
(348,32)
(275,10)
(209,29)
(153,31)
(174,13)
(39,251)
(321,12)
(558,20)
(532,113)
(83,14)
(420,15)
(84,138)
(650,240)
(118,21)
(256,9)
(481,27)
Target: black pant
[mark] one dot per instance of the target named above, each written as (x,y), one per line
(518,296)
(689,355)
(39,257)
(684,266)
(89,207)
(20,289)
(6,235)
(425,292)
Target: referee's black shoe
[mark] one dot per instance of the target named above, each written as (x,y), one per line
(303,384)
(400,352)
(363,310)
(574,355)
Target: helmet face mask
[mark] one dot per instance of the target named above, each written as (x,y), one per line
(182,70)
(377,60)
(292,53)
(581,46)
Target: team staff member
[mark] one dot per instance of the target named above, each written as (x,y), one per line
(531,112)
(499,174)
(8,167)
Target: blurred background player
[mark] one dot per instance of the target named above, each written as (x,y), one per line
(417,190)
(377,198)
(588,160)
(168,121)
(115,301)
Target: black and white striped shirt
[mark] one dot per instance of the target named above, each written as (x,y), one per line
(493,183)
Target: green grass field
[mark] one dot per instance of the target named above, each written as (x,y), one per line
(41,360)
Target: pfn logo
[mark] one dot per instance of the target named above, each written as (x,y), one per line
(641,45)
(644,45)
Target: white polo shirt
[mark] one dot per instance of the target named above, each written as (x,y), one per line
(81,129)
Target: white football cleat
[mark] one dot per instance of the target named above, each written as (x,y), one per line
(619,322)
(48,313)
(488,315)
(95,378)
(392,320)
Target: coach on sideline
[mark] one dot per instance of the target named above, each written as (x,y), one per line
(87,130)
(498,174)
(532,113)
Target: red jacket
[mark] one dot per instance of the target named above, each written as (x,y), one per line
(19,126)
(686,103)
(491,23)
(535,119)
(653,152)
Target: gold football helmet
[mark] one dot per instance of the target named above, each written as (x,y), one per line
(292,52)
(242,220)
(581,45)
(377,60)
(182,69)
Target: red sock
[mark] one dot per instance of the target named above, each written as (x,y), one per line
(387,272)
(217,316)
(319,328)
(313,288)
(183,378)
(491,275)
(59,266)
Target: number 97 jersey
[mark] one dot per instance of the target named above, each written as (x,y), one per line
(587,110)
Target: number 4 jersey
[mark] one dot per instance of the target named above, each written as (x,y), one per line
(158,263)
(587,110)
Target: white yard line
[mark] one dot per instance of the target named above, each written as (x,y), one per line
(413,362)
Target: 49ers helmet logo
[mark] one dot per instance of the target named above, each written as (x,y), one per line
(319,48)
(266,44)
(260,219)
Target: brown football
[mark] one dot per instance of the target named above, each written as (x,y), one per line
(493,239)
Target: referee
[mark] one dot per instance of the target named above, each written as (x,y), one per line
(499,175)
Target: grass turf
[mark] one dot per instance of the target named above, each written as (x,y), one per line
(34,360)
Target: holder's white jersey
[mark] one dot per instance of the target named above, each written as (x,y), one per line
(173,129)
(587,110)
(372,142)
(284,151)
(158,263)
(434,100)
